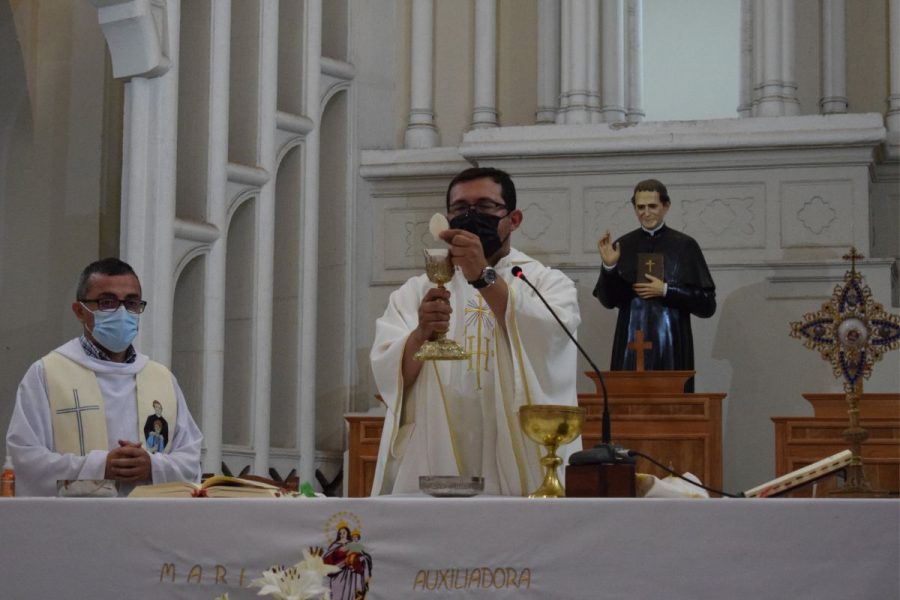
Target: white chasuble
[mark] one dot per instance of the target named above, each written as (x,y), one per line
(461,417)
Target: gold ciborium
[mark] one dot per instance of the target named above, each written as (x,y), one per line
(439,270)
(551,425)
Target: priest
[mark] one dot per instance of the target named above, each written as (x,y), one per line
(79,410)
(459,417)
(660,306)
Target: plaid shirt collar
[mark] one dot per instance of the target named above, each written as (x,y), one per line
(95,351)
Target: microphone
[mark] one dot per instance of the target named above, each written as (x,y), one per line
(604,452)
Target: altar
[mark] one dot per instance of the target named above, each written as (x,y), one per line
(483,547)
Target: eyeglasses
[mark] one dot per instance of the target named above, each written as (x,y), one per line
(132,305)
(481,207)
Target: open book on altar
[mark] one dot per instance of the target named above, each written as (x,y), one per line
(801,476)
(217,486)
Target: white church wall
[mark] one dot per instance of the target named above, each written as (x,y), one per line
(867,57)
(884,211)
(240,281)
(52,78)
(291,69)
(244,97)
(454,45)
(194,109)
(286,300)
(335,26)
(807,53)
(334,315)
(188,319)
(516,62)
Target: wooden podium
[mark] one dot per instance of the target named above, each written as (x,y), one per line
(650,412)
(800,441)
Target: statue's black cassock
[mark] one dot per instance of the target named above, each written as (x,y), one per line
(666,322)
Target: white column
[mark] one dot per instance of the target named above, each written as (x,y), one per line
(613,61)
(148,191)
(593,61)
(634,36)
(265,238)
(577,92)
(788,78)
(309,274)
(484,113)
(214,284)
(756,69)
(892,119)
(745,105)
(834,57)
(548,61)
(565,53)
(421,131)
(769,86)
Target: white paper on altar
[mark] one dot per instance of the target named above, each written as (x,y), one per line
(650,486)
(483,547)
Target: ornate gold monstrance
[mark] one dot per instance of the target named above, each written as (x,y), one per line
(852,331)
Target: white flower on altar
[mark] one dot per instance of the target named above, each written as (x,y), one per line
(303,581)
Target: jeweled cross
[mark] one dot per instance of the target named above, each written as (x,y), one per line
(77,410)
(852,332)
(639,346)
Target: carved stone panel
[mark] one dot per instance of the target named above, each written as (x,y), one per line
(401,233)
(545,227)
(721,216)
(817,213)
(606,208)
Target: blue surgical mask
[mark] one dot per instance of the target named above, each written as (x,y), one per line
(115,330)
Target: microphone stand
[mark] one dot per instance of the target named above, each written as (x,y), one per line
(605,452)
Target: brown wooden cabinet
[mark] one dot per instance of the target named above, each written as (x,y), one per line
(800,441)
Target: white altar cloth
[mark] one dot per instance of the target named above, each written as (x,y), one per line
(421,547)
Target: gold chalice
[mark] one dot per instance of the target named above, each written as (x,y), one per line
(440,271)
(551,425)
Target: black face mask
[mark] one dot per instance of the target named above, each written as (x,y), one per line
(484,226)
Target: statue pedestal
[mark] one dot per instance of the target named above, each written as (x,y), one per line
(651,413)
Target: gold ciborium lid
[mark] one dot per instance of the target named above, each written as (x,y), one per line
(551,425)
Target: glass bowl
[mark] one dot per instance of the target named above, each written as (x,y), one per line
(451,486)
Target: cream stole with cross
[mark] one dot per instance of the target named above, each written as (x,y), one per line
(77,408)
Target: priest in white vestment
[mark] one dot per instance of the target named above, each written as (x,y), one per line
(80,410)
(460,417)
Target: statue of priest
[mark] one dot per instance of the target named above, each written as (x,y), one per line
(658,305)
